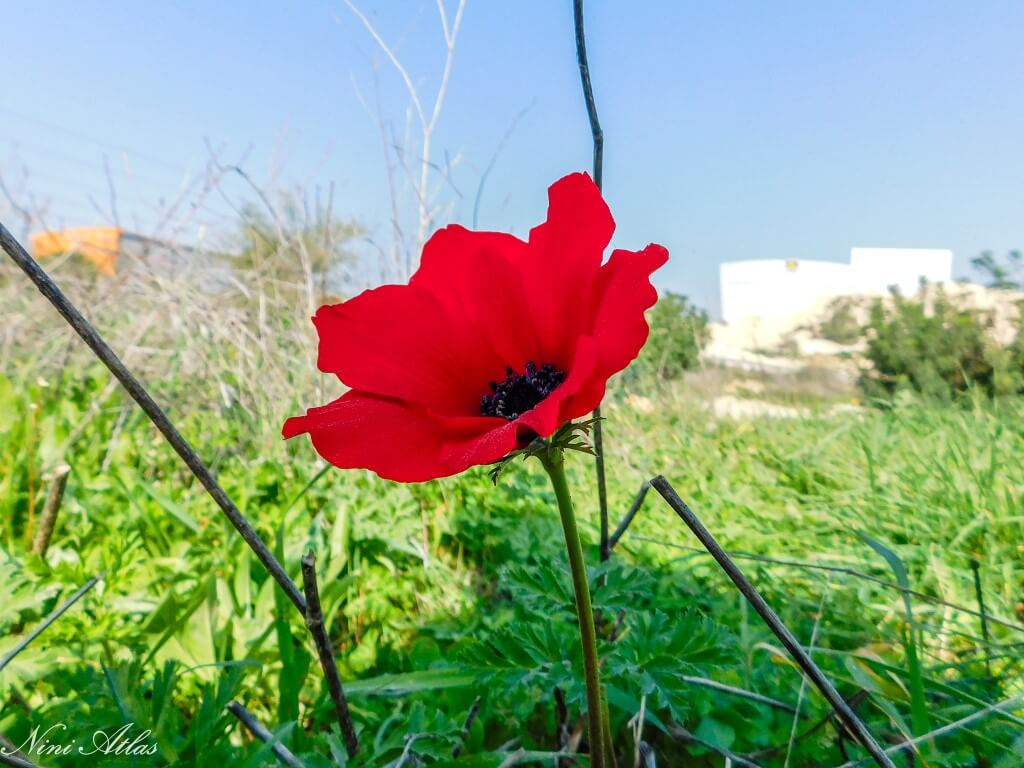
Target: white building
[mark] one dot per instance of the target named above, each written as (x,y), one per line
(779,288)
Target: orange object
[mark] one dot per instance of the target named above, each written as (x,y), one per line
(98,245)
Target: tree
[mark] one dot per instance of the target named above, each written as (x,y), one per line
(679,331)
(939,352)
(291,244)
(1008,275)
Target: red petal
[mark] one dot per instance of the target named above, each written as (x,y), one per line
(578,228)
(398,442)
(530,300)
(477,277)
(565,254)
(573,398)
(622,292)
(399,341)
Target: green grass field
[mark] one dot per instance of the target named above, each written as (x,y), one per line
(441,593)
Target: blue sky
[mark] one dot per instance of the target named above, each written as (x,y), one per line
(734,130)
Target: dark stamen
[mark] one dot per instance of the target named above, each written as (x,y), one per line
(520,392)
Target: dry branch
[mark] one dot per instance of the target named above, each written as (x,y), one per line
(628,519)
(742,693)
(467,727)
(48,519)
(681,733)
(1015,701)
(843,710)
(60,611)
(427,122)
(257,729)
(325,651)
(14,761)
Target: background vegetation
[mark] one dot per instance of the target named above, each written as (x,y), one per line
(679,332)
(441,594)
(934,343)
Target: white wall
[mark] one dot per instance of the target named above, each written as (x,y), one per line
(777,288)
(780,288)
(878,268)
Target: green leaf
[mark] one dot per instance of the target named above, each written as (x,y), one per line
(174,509)
(715,732)
(919,716)
(404,683)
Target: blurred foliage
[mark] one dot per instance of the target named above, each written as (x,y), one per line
(840,324)
(1005,275)
(283,241)
(1016,350)
(679,331)
(934,347)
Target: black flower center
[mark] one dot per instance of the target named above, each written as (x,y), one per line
(520,392)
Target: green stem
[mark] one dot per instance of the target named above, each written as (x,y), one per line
(606,729)
(554,462)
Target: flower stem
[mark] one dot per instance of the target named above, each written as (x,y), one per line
(606,729)
(554,462)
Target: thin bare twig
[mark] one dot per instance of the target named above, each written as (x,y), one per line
(1014,701)
(681,733)
(48,519)
(597,135)
(588,92)
(395,61)
(111,191)
(513,758)
(843,710)
(803,680)
(636,724)
(407,755)
(602,486)
(466,727)
(76,320)
(24,213)
(494,159)
(628,519)
(282,235)
(428,123)
(60,611)
(257,729)
(742,693)
(13,760)
(810,730)
(324,649)
(9,749)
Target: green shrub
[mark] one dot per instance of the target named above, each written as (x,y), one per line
(1014,365)
(841,324)
(679,331)
(932,347)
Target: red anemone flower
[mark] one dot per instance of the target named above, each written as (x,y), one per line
(493,342)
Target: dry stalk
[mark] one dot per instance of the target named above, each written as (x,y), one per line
(48,519)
